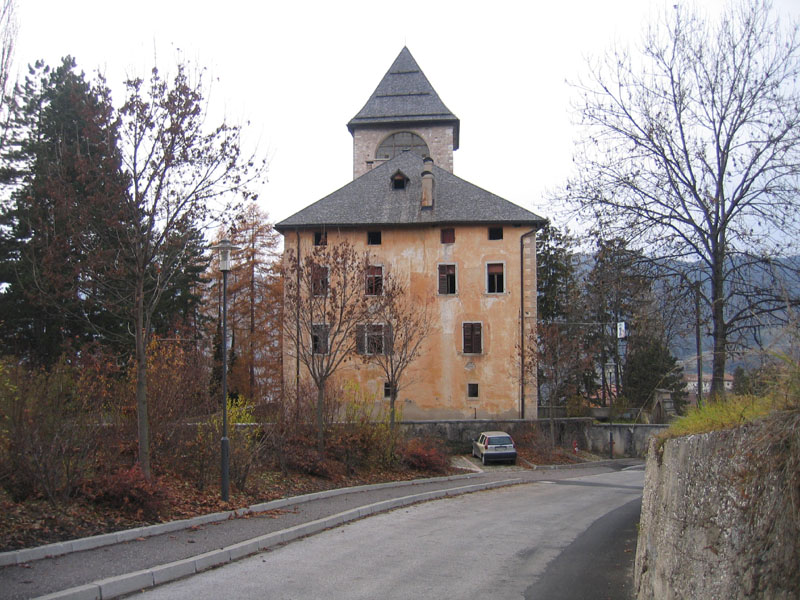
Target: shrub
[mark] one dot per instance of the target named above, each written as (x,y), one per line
(424,454)
(198,450)
(128,490)
(49,435)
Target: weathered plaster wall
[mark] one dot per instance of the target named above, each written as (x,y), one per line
(717,520)
(435,386)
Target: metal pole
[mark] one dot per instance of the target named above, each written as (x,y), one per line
(225,449)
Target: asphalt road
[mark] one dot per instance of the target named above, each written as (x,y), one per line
(560,539)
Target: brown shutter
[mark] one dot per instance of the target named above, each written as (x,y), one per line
(472,338)
(388,339)
(360,339)
(442,279)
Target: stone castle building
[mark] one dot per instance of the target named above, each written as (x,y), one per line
(469,253)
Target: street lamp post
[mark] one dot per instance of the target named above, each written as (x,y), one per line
(225,247)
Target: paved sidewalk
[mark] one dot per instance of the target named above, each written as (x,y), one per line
(112,565)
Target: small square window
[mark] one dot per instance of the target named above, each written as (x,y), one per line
(448,236)
(320,238)
(472,390)
(495,233)
(374,238)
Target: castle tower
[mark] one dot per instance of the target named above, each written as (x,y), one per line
(404,113)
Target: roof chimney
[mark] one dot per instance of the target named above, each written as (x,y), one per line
(427,183)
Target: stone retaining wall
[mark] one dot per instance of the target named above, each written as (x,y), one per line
(458,435)
(629,440)
(717,517)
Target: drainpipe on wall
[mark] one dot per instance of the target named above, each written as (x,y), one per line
(522,322)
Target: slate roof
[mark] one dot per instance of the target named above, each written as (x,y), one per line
(405,96)
(370,200)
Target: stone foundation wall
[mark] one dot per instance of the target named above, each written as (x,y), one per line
(717,517)
(629,440)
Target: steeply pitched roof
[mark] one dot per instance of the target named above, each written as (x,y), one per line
(371,200)
(404,96)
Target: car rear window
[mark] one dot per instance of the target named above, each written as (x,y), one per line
(502,440)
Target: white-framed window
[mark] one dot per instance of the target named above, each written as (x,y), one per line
(447,279)
(495,278)
(319,280)
(373,338)
(374,280)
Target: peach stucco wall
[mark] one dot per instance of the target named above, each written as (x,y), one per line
(435,387)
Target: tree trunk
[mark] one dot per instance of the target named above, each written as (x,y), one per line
(252,348)
(141,384)
(392,404)
(719,333)
(320,418)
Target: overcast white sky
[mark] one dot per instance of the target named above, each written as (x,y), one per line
(299,71)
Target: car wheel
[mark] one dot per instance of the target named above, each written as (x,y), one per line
(483,459)
(514,461)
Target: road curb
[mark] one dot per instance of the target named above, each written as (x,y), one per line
(121,585)
(16,557)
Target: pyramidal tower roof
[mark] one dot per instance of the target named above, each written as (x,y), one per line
(404,96)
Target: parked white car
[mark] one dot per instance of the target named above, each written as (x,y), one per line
(494,446)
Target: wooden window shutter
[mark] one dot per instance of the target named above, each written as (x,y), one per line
(472,338)
(361,339)
(388,339)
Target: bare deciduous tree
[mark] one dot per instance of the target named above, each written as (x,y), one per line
(177,168)
(324,304)
(8,40)
(404,324)
(692,151)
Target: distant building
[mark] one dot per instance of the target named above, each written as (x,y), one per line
(691,386)
(472,253)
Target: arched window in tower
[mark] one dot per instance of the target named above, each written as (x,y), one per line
(402,141)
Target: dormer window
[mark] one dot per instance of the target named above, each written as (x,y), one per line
(399,181)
